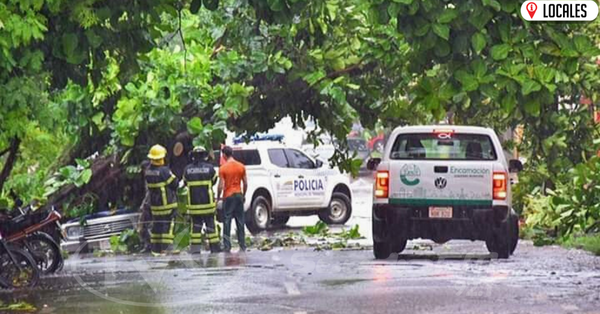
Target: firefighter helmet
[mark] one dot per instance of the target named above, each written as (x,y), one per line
(199,153)
(157,152)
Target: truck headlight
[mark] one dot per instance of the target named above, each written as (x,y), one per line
(74,232)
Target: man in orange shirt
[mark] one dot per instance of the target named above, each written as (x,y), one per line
(231,175)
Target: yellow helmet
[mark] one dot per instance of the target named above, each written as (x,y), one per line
(157,152)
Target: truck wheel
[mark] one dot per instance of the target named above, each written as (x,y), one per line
(280,220)
(259,214)
(381,250)
(339,210)
(514,232)
(500,243)
(399,245)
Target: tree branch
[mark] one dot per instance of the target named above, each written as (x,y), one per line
(337,73)
(10,161)
(182,41)
(218,47)
(4,151)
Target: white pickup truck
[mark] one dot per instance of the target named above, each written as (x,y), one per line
(284,181)
(442,183)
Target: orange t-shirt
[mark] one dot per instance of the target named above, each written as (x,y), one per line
(232,173)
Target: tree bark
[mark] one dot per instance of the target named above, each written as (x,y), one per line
(10,160)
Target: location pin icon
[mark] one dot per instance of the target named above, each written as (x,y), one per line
(531,8)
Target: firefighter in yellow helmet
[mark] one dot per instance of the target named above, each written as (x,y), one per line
(162,184)
(200,177)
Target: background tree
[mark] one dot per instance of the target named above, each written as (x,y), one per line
(112,78)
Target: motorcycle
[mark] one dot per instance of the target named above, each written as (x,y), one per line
(17,267)
(27,231)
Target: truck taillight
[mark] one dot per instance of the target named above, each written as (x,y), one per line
(382,184)
(499,183)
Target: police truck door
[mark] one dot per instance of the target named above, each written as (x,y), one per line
(309,188)
(282,179)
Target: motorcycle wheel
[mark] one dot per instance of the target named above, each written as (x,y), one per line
(45,251)
(20,273)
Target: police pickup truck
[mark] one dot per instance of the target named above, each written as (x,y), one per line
(284,182)
(443,183)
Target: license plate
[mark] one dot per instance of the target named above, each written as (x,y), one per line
(440,212)
(104,245)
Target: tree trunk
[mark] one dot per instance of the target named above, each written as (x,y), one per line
(10,160)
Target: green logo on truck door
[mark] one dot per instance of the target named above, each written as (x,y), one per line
(409,174)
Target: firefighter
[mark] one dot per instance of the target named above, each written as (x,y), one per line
(162,184)
(145,221)
(200,177)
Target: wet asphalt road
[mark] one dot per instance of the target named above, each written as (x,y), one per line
(457,277)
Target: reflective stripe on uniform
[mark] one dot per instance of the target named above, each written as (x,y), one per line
(161,184)
(163,238)
(207,211)
(162,213)
(201,209)
(166,207)
(214,237)
(163,210)
(161,241)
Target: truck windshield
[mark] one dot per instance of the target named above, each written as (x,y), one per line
(443,146)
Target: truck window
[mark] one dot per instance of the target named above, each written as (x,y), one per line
(443,146)
(248,157)
(277,157)
(298,160)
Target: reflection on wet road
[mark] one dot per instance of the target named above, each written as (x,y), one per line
(457,277)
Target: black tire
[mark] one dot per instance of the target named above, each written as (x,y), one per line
(489,244)
(339,210)
(280,221)
(381,250)
(500,242)
(45,251)
(399,245)
(259,215)
(514,233)
(12,277)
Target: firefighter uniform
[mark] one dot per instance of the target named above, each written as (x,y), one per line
(162,185)
(200,177)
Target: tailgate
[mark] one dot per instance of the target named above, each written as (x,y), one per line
(441,183)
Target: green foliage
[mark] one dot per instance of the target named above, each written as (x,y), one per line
(572,207)
(115,77)
(80,207)
(351,234)
(17,306)
(497,70)
(127,242)
(319,229)
(78,176)
(589,243)
(182,232)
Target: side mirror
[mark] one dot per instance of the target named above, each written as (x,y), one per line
(373,163)
(514,166)
(319,163)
